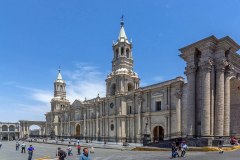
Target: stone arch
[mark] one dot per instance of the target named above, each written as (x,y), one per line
(12,136)
(4,128)
(122,51)
(158,133)
(234,106)
(78,130)
(35,130)
(12,128)
(25,128)
(5,136)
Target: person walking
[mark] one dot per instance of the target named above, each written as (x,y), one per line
(23,147)
(17,146)
(61,154)
(183,148)
(69,150)
(79,149)
(85,155)
(174,150)
(220,145)
(30,152)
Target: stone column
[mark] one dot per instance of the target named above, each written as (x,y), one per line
(212,99)
(139,116)
(178,95)
(28,131)
(219,107)
(23,131)
(226,131)
(97,128)
(206,110)
(191,73)
(84,125)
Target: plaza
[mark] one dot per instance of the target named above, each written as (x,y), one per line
(48,151)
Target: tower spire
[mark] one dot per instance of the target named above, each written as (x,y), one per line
(59,77)
(122,37)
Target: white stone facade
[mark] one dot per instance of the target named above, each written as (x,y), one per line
(206,106)
(9,131)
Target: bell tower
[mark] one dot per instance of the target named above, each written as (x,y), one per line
(122,79)
(59,102)
(59,86)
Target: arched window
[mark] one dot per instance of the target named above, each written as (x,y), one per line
(130,87)
(11,128)
(113,89)
(122,51)
(61,88)
(112,127)
(4,128)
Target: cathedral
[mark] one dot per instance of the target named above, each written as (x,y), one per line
(205,105)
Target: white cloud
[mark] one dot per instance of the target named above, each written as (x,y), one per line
(39,95)
(84,81)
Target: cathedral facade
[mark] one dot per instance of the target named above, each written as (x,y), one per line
(207,105)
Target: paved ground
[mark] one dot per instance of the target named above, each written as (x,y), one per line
(8,152)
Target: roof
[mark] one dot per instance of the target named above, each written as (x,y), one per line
(122,34)
(228,40)
(59,77)
(210,38)
(122,37)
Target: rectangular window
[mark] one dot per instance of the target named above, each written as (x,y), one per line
(130,109)
(158,106)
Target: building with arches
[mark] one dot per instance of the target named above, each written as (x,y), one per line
(206,105)
(9,131)
(126,113)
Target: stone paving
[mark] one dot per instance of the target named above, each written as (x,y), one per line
(47,151)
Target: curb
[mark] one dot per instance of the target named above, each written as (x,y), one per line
(196,149)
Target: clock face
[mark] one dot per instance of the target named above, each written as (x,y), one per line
(111,105)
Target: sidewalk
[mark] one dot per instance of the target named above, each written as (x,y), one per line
(133,146)
(95,144)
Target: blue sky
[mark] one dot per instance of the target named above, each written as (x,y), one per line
(36,36)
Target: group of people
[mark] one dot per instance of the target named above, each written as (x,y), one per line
(23,146)
(179,147)
(61,154)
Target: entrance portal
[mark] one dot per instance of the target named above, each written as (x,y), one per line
(78,130)
(158,134)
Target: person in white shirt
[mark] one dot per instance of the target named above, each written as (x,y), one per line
(183,148)
(23,146)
